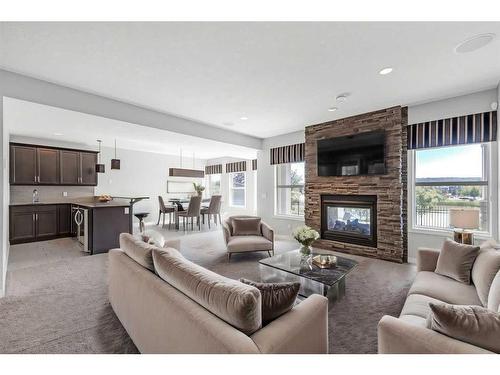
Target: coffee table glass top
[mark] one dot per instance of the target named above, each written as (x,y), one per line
(301,265)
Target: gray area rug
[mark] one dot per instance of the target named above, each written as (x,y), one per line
(59,304)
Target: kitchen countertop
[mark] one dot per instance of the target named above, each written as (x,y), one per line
(88,204)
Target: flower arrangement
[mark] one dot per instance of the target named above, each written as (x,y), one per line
(199,188)
(305,235)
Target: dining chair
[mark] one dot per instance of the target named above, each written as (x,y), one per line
(193,211)
(163,211)
(213,209)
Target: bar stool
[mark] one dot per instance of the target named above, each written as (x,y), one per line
(141,216)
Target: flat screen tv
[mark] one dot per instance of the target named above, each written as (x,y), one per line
(354,155)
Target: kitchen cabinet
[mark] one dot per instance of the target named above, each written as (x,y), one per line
(40,165)
(23,166)
(38,222)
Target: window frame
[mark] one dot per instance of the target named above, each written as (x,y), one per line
(489,179)
(209,183)
(231,188)
(276,195)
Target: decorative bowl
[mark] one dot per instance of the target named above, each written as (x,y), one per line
(325,261)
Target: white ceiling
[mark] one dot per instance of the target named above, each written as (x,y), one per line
(282,76)
(33,120)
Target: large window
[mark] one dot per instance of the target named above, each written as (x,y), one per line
(214,184)
(237,189)
(448,179)
(289,189)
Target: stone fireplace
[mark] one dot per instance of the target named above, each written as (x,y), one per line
(349,218)
(361,215)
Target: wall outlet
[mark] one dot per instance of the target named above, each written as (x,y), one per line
(126,211)
(65,193)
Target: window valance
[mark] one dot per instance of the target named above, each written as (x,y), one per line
(288,154)
(213,169)
(476,128)
(237,166)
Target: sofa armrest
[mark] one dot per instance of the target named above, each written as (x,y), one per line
(427,259)
(226,232)
(302,330)
(175,244)
(267,232)
(396,336)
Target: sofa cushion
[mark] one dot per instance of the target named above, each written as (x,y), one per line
(485,268)
(475,325)
(418,305)
(277,298)
(138,250)
(455,260)
(444,289)
(414,320)
(248,243)
(246,226)
(236,303)
(494,295)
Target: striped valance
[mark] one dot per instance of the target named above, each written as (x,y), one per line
(237,166)
(476,128)
(288,154)
(254,164)
(213,169)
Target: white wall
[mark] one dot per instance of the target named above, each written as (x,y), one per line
(250,193)
(143,174)
(461,105)
(265,183)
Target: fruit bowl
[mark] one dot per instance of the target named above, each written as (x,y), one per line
(104,198)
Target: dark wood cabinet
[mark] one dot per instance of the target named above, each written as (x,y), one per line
(22,224)
(30,223)
(47,166)
(39,165)
(23,165)
(70,167)
(88,174)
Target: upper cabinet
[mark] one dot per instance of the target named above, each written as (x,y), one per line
(37,165)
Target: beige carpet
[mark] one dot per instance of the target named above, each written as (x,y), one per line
(57,299)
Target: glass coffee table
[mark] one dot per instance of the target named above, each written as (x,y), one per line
(295,266)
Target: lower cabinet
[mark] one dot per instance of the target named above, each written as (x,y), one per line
(39,222)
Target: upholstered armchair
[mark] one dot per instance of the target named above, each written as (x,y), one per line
(260,240)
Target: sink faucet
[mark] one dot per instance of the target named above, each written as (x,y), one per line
(35,196)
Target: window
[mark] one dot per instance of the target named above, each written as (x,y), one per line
(289,189)
(214,184)
(448,179)
(237,191)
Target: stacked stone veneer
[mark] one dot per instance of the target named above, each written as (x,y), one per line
(390,188)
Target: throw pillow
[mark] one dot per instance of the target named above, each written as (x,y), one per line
(277,298)
(455,260)
(484,270)
(475,325)
(246,226)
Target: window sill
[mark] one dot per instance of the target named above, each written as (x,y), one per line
(289,217)
(447,233)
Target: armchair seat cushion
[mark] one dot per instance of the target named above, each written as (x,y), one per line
(240,244)
(417,305)
(445,289)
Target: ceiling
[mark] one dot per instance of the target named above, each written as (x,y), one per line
(281,75)
(33,120)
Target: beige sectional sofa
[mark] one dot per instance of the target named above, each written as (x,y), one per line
(408,333)
(198,311)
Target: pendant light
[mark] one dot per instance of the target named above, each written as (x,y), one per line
(99,168)
(183,172)
(115,163)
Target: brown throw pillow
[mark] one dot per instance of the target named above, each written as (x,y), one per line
(246,226)
(455,260)
(475,325)
(277,298)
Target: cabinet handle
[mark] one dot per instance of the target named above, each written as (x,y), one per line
(34,218)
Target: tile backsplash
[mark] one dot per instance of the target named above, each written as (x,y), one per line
(24,194)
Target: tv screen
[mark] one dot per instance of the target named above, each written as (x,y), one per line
(354,155)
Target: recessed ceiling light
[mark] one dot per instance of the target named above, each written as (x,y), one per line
(332,109)
(243,118)
(474,43)
(342,98)
(385,71)
(58,133)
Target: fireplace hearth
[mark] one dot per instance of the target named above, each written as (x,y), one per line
(349,219)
